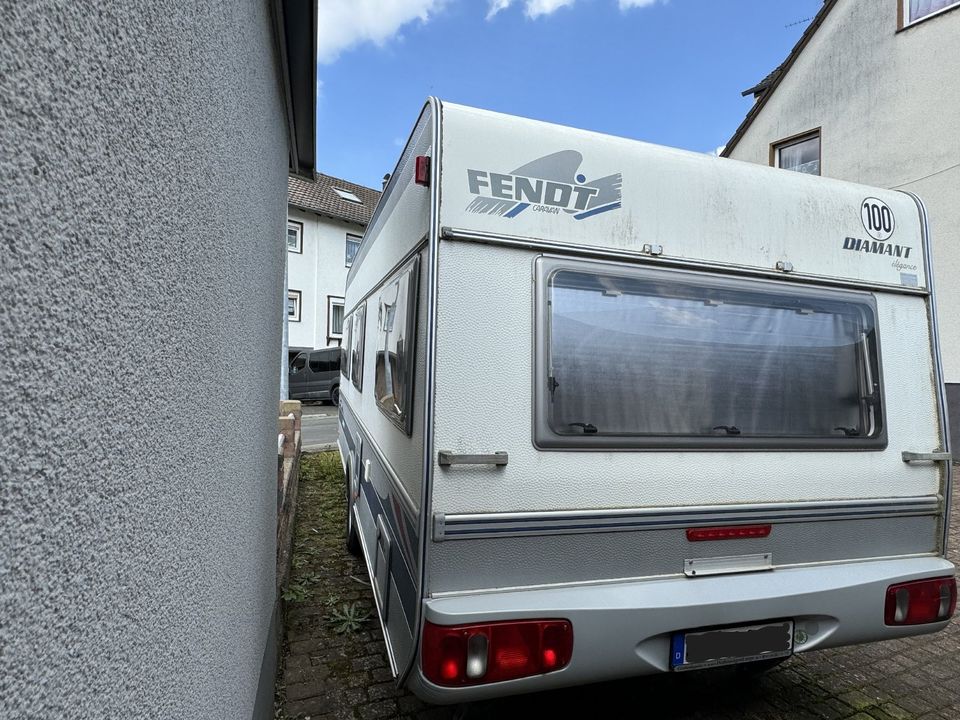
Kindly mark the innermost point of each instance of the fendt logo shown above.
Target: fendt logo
(550, 184)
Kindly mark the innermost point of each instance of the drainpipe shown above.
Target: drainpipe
(285, 345)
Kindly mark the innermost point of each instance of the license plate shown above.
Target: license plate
(726, 646)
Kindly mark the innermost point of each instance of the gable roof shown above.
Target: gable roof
(319, 196)
(766, 87)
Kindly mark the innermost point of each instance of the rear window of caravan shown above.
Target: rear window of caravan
(631, 357)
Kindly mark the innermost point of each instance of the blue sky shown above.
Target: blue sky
(664, 71)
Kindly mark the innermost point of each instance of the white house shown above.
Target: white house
(326, 218)
(871, 94)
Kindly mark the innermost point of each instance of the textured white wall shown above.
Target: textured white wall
(318, 272)
(143, 166)
(888, 104)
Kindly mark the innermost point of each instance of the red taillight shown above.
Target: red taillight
(422, 174)
(730, 532)
(473, 654)
(921, 601)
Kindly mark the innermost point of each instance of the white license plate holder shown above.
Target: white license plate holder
(691, 650)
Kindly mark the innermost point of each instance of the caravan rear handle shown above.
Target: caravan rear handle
(936, 456)
(445, 457)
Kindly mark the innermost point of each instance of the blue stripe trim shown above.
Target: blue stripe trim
(597, 211)
(518, 208)
(454, 528)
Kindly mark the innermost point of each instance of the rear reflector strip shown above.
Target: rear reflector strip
(729, 532)
(921, 601)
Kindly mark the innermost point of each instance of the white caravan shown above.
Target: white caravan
(617, 409)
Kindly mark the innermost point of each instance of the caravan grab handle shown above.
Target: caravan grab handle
(445, 457)
(936, 456)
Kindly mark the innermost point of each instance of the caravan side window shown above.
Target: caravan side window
(345, 354)
(358, 329)
(396, 317)
(630, 357)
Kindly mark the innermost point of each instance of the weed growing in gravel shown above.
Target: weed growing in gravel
(296, 593)
(349, 617)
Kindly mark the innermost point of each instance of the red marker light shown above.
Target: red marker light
(422, 173)
(450, 670)
(731, 532)
(549, 658)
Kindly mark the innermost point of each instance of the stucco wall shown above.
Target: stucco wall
(143, 166)
(888, 104)
(320, 271)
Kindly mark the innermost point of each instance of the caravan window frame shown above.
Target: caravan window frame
(345, 342)
(546, 438)
(358, 331)
(400, 414)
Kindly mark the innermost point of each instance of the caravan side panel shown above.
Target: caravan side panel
(384, 462)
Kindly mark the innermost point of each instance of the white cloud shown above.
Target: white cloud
(496, 6)
(536, 8)
(627, 4)
(342, 24)
(531, 8)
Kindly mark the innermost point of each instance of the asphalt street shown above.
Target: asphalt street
(319, 426)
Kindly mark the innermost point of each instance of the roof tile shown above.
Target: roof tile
(318, 196)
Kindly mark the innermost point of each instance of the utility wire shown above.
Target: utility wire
(909, 182)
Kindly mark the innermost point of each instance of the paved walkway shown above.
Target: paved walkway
(336, 666)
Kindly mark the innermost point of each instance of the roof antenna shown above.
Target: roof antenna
(798, 22)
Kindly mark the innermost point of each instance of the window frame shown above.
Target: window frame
(345, 345)
(351, 238)
(404, 420)
(903, 14)
(298, 226)
(347, 195)
(544, 438)
(778, 145)
(297, 297)
(358, 331)
(333, 301)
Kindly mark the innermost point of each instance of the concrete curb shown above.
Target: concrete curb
(322, 447)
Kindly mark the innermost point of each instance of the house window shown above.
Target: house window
(293, 305)
(800, 153)
(294, 236)
(334, 318)
(670, 359)
(396, 325)
(348, 196)
(914, 10)
(353, 244)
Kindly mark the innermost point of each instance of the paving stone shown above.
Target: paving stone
(311, 706)
(380, 709)
(301, 691)
(370, 662)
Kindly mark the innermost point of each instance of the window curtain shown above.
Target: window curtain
(921, 8)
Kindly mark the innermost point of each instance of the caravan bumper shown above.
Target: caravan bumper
(623, 629)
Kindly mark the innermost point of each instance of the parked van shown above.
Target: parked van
(615, 409)
(315, 375)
